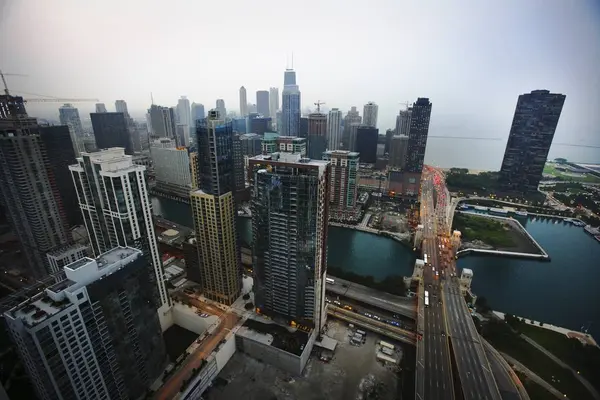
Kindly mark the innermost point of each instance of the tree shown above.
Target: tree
(482, 304)
(541, 323)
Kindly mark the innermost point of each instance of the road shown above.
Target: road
(436, 371)
(534, 377)
(170, 388)
(394, 304)
(509, 384)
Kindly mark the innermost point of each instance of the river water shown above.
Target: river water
(562, 292)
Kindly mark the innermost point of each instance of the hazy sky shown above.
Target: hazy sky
(471, 58)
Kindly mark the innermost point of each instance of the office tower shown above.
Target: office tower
(334, 129)
(116, 210)
(353, 117)
(317, 135)
(214, 211)
(380, 149)
(162, 120)
(121, 106)
(136, 135)
(192, 263)
(290, 213)
(403, 122)
(238, 164)
(66, 254)
(197, 113)
(184, 117)
(303, 127)
(111, 130)
(251, 144)
(258, 124)
(171, 163)
(221, 108)
(243, 102)
(69, 115)
(352, 135)
(370, 114)
(417, 137)
(100, 108)
(366, 143)
(59, 149)
(531, 133)
(398, 148)
(273, 143)
(182, 135)
(290, 105)
(273, 103)
(343, 184)
(94, 335)
(262, 103)
(252, 109)
(194, 169)
(28, 187)
(239, 125)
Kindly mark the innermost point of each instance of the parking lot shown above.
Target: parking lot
(353, 373)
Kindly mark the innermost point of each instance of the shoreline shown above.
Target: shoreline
(397, 237)
(571, 333)
(518, 228)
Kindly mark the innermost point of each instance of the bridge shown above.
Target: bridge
(451, 358)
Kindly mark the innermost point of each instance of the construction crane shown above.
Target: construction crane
(318, 104)
(47, 99)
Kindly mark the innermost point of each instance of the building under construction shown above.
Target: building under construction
(290, 211)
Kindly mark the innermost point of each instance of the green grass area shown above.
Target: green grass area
(502, 337)
(587, 178)
(490, 231)
(585, 359)
(535, 391)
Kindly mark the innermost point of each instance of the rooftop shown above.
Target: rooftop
(277, 158)
(273, 334)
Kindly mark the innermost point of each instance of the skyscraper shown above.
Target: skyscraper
(317, 135)
(59, 148)
(343, 184)
(111, 130)
(531, 133)
(353, 117)
(100, 108)
(403, 122)
(238, 168)
(162, 120)
(171, 163)
(243, 102)
(370, 111)
(334, 129)
(184, 117)
(214, 212)
(262, 103)
(116, 209)
(221, 108)
(273, 103)
(69, 116)
(352, 135)
(290, 210)
(28, 187)
(290, 107)
(398, 148)
(417, 136)
(366, 143)
(96, 334)
(121, 106)
(197, 113)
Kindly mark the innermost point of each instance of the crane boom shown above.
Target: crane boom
(57, 100)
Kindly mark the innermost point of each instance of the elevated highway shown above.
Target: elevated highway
(395, 304)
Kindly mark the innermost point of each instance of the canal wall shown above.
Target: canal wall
(403, 238)
(541, 256)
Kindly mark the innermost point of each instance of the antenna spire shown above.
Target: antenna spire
(292, 60)
(151, 98)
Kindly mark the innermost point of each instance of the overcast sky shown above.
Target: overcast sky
(471, 58)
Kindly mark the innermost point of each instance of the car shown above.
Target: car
(204, 315)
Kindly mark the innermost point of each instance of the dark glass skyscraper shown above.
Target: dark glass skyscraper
(529, 141)
(290, 210)
(290, 105)
(111, 130)
(61, 154)
(366, 143)
(417, 136)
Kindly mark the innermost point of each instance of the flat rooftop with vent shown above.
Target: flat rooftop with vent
(78, 274)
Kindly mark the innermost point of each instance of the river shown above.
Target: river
(563, 291)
